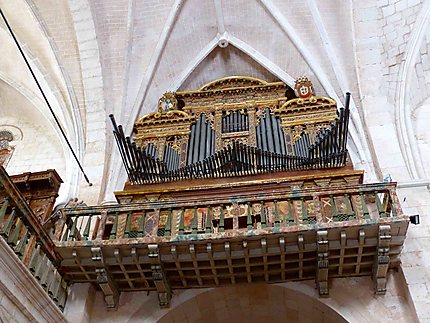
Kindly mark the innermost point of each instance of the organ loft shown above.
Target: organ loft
(239, 182)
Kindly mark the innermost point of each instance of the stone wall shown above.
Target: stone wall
(351, 300)
(96, 57)
(416, 253)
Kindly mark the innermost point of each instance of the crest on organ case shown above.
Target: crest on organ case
(167, 102)
(303, 88)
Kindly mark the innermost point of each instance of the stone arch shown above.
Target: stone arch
(351, 299)
(405, 131)
(253, 303)
(420, 119)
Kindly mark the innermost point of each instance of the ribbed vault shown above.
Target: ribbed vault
(96, 57)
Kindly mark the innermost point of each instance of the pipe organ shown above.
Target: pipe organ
(235, 126)
(241, 181)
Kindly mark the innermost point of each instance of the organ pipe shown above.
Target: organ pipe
(328, 150)
(234, 121)
(201, 141)
(269, 134)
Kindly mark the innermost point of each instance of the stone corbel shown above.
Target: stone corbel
(159, 277)
(104, 280)
(382, 260)
(322, 263)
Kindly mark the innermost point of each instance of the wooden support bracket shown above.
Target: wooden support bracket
(104, 280)
(382, 260)
(159, 276)
(322, 263)
(108, 287)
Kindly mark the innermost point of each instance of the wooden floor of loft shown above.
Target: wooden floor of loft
(341, 251)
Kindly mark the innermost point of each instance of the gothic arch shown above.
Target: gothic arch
(405, 131)
(252, 303)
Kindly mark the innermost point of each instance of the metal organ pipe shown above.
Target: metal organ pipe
(270, 136)
(191, 144)
(171, 158)
(276, 134)
(263, 134)
(230, 121)
(269, 131)
(234, 121)
(202, 141)
(197, 140)
(212, 142)
(281, 135)
(208, 141)
(246, 121)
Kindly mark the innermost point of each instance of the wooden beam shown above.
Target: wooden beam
(104, 279)
(159, 276)
(382, 260)
(108, 288)
(178, 265)
(212, 262)
(322, 262)
(135, 258)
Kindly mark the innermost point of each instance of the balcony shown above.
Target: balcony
(208, 204)
(21, 227)
(291, 228)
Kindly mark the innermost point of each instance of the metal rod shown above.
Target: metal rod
(44, 97)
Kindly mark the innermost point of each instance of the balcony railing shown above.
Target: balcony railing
(248, 215)
(25, 235)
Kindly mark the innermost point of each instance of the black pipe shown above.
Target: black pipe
(119, 144)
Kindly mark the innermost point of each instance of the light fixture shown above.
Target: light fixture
(415, 219)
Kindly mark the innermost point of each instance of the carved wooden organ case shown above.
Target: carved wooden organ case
(235, 126)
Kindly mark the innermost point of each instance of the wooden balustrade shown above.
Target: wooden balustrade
(21, 229)
(304, 209)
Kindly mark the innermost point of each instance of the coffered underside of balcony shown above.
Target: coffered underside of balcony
(247, 257)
